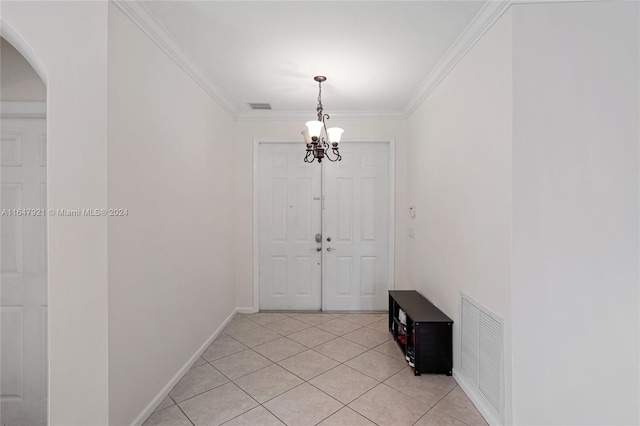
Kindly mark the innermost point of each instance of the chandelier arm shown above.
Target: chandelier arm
(324, 123)
(309, 155)
(330, 159)
(335, 152)
(325, 144)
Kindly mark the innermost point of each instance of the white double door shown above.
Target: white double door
(324, 229)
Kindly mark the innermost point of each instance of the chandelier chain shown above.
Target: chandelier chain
(319, 108)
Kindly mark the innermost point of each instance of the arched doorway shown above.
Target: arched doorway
(23, 254)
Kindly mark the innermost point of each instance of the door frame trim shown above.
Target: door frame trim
(12, 109)
(256, 197)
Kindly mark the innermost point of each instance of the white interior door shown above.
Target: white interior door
(356, 218)
(23, 261)
(289, 219)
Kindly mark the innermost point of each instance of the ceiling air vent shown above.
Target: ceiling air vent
(260, 106)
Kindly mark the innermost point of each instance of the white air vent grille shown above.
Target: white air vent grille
(482, 354)
(469, 331)
(490, 364)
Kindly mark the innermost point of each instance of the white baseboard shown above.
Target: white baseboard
(478, 400)
(155, 402)
(247, 310)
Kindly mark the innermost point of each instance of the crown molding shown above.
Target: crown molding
(144, 19)
(490, 12)
(308, 115)
(473, 32)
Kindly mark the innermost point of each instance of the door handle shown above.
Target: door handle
(330, 249)
(318, 248)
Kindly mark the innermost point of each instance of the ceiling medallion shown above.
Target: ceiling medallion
(317, 146)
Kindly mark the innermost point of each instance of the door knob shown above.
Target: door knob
(330, 249)
(318, 248)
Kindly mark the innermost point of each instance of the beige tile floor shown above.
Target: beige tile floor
(301, 369)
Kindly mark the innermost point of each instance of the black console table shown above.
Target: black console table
(424, 332)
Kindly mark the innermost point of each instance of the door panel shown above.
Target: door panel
(356, 218)
(23, 265)
(289, 219)
(355, 274)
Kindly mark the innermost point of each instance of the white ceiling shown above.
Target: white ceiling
(379, 57)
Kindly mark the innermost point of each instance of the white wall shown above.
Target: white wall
(459, 174)
(573, 296)
(171, 260)
(247, 131)
(73, 63)
(575, 217)
(19, 81)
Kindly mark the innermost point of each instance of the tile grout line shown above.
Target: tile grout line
(273, 414)
(447, 414)
(339, 402)
(276, 363)
(222, 384)
(303, 382)
(378, 382)
(368, 349)
(185, 414)
(307, 348)
(238, 386)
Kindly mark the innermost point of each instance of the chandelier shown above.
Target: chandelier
(317, 145)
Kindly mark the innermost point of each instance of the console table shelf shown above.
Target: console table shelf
(424, 332)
